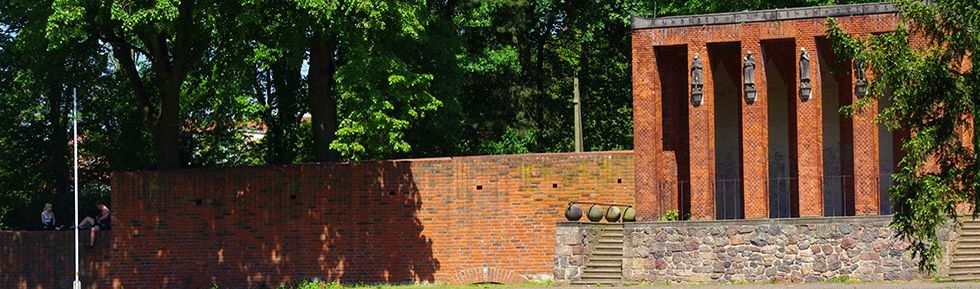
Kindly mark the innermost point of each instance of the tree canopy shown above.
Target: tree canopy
(924, 70)
(169, 84)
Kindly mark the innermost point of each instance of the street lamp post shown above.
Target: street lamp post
(74, 124)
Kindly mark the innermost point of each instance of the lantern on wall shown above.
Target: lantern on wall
(697, 80)
(748, 77)
(861, 85)
(805, 89)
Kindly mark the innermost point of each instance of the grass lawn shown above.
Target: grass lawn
(325, 285)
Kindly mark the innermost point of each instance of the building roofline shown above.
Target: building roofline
(763, 15)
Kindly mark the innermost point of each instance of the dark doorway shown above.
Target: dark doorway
(725, 64)
(779, 57)
(838, 136)
(671, 63)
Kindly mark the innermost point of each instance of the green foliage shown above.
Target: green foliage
(194, 81)
(670, 215)
(933, 95)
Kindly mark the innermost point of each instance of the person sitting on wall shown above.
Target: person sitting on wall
(47, 218)
(101, 223)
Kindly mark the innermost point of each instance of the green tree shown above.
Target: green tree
(935, 93)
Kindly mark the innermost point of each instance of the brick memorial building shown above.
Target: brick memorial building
(748, 133)
(738, 129)
(736, 117)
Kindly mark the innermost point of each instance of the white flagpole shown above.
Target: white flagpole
(74, 124)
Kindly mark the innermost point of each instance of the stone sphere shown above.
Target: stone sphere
(613, 214)
(573, 213)
(595, 213)
(629, 215)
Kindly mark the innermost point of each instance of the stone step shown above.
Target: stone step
(602, 276)
(961, 278)
(607, 251)
(611, 235)
(616, 240)
(964, 270)
(965, 259)
(597, 283)
(972, 240)
(618, 258)
(610, 246)
(605, 263)
(969, 233)
(603, 270)
(975, 266)
(970, 245)
(966, 252)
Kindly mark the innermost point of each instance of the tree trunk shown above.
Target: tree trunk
(58, 144)
(323, 106)
(282, 123)
(168, 125)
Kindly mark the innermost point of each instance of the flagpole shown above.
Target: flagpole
(74, 124)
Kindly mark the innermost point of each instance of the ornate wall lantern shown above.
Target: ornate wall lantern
(861, 85)
(748, 77)
(697, 81)
(805, 89)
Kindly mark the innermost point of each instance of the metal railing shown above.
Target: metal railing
(729, 201)
(838, 194)
(781, 192)
(837, 191)
(885, 203)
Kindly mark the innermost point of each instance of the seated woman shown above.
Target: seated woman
(47, 218)
(101, 223)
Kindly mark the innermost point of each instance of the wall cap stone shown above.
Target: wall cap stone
(763, 15)
(757, 222)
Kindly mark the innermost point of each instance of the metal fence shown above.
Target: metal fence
(838, 195)
(781, 192)
(728, 199)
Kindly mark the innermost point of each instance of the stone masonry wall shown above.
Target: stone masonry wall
(572, 248)
(773, 250)
(794, 250)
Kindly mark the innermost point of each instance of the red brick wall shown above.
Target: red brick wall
(649, 130)
(44, 260)
(429, 220)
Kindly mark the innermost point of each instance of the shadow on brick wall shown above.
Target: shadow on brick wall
(249, 227)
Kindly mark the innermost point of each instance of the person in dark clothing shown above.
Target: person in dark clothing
(103, 222)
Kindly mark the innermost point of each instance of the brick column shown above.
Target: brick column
(809, 133)
(755, 136)
(701, 121)
(865, 155)
(647, 127)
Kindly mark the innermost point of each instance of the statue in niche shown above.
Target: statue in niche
(697, 80)
(861, 85)
(805, 89)
(748, 77)
(859, 69)
(749, 70)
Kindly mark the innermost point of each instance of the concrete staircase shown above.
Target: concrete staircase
(605, 264)
(966, 259)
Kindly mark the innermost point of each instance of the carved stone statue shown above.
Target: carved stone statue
(861, 85)
(805, 89)
(748, 77)
(697, 80)
(804, 65)
(748, 70)
(859, 69)
(696, 70)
